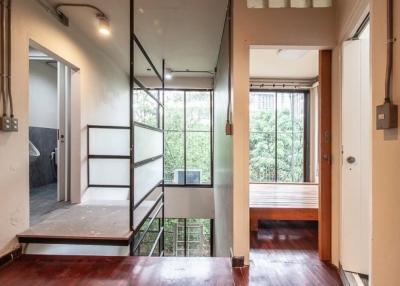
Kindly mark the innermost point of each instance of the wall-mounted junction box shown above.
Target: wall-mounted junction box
(8, 124)
(386, 116)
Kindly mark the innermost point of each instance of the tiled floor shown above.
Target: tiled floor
(43, 200)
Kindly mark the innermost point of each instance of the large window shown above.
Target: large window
(188, 137)
(278, 125)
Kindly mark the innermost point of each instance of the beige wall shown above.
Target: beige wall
(386, 147)
(385, 157)
(104, 91)
(307, 28)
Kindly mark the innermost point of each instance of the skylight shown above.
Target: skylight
(258, 4)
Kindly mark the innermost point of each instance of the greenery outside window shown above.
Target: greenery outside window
(188, 137)
(278, 136)
(182, 237)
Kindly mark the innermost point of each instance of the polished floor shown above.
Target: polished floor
(285, 253)
(147, 271)
(282, 254)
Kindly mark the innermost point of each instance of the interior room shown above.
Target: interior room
(283, 156)
(43, 136)
(187, 142)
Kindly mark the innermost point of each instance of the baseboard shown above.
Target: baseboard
(7, 258)
(236, 261)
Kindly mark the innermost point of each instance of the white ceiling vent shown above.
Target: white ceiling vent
(258, 4)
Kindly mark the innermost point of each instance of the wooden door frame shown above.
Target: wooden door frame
(325, 158)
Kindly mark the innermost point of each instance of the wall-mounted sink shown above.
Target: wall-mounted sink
(34, 153)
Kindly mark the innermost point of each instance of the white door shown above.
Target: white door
(356, 159)
(64, 95)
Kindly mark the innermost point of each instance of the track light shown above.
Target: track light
(104, 25)
(168, 74)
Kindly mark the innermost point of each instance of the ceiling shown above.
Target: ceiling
(266, 63)
(186, 33)
(84, 19)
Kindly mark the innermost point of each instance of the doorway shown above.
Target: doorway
(290, 190)
(49, 134)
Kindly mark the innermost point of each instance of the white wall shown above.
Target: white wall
(223, 156)
(104, 99)
(42, 95)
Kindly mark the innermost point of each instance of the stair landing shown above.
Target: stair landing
(94, 223)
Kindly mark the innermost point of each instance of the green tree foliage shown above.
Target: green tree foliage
(198, 140)
(282, 137)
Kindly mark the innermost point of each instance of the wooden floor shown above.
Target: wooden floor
(282, 254)
(285, 253)
(64, 270)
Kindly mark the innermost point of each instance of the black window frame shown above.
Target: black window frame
(185, 131)
(306, 147)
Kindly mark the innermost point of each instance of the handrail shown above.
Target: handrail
(159, 198)
(146, 161)
(147, 195)
(160, 233)
(136, 246)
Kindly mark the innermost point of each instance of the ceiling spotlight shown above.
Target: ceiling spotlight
(104, 25)
(168, 74)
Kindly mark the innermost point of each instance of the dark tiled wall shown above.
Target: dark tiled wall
(42, 172)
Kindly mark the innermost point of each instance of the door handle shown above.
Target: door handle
(351, 160)
(62, 138)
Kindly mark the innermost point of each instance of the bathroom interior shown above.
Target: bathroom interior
(43, 136)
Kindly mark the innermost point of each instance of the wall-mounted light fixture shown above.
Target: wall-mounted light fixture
(103, 21)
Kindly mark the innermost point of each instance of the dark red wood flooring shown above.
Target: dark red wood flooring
(282, 254)
(285, 253)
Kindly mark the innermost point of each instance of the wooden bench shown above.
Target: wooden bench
(297, 202)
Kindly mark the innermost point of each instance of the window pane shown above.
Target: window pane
(262, 157)
(146, 108)
(198, 237)
(198, 110)
(290, 137)
(198, 158)
(174, 157)
(174, 110)
(174, 237)
(262, 137)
